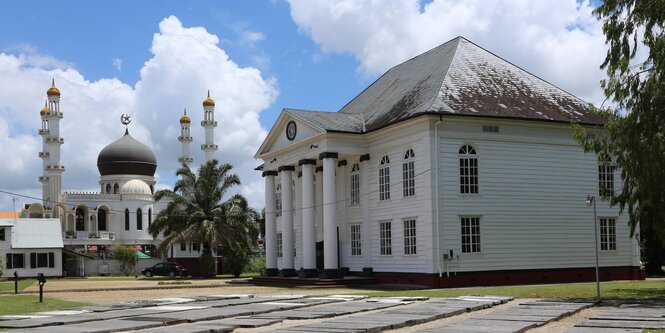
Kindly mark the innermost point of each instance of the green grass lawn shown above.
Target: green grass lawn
(22, 284)
(18, 304)
(623, 290)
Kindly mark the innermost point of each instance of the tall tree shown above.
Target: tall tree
(198, 212)
(635, 64)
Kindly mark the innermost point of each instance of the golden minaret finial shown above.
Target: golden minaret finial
(185, 118)
(53, 91)
(45, 109)
(208, 101)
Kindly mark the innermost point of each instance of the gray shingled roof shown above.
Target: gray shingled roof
(458, 78)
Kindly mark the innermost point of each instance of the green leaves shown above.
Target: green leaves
(198, 212)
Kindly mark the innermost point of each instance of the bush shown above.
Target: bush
(207, 264)
(235, 261)
(126, 258)
(256, 265)
(2, 268)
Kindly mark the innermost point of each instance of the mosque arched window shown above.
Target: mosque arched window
(126, 219)
(101, 219)
(116, 188)
(80, 219)
(108, 188)
(139, 219)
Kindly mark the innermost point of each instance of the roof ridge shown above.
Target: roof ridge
(443, 80)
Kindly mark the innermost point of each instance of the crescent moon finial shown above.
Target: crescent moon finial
(125, 119)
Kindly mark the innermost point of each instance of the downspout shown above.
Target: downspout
(439, 255)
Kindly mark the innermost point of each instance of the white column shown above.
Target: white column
(271, 227)
(364, 202)
(330, 262)
(286, 176)
(308, 232)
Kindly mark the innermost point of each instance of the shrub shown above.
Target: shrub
(235, 261)
(207, 264)
(126, 258)
(256, 265)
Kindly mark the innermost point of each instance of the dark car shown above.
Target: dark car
(171, 269)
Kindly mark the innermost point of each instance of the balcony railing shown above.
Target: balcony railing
(101, 235)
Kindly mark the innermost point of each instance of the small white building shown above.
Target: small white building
(455, 167)
(31, 246)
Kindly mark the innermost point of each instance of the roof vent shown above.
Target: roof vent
(490, 129)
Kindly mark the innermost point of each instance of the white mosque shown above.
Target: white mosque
(92, 223)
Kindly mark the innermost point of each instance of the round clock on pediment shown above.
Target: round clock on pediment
(291, 130)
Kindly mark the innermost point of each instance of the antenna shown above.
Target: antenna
(14, 199)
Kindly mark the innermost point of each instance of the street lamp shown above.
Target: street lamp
(591, 200)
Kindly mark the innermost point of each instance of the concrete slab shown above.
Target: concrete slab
(207, 327)
(603, 330)
(475, 325)
(622, 324)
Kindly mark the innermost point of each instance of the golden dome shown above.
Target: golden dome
(185, 118)
(44, 110)
(53, 91)
(208, 101)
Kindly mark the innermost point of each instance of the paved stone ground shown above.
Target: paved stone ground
(625, 318)
(332, 314)
(225, 313)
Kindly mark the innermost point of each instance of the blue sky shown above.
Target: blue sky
(90, 36)
(152, 59)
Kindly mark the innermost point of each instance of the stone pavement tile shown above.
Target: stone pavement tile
(247, 322)
(205, 327)
(48, 321)
(603, 330)
(622, 324)
(478, 325)
(104, 326)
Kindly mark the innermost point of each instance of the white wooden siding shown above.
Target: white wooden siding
(533, 184)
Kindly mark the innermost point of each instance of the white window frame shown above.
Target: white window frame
(278, 200)
(409, 174)
(354, 181)
(278, 240)
(470, 234)
(605, 176)
(410, 238)
(385, 238)
(608, 234)
(468, 170)
(384, 178)
(356, 239)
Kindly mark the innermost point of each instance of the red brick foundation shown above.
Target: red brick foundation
(497, 278)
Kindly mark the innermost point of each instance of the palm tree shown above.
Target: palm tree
(198, 212)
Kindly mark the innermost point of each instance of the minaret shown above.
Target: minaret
(52, 179)
(185, 138)
(209, 123)
(44, 154)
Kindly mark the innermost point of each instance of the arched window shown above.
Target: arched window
(355, 184)
(108, 188)
(384, 178)
(126, 219)
(278, 200)
(80, 219)
(101, 219)
(468, 170)
(139, 219)
(149, 217)
(409, 174)
(605, 176)
(116, 188)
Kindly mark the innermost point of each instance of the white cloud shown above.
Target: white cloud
(558, 40)
(186, 62)
(117, 63)
(252, 37)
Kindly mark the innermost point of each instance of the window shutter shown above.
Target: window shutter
(51, 259)
(33, 260)
(9, 261)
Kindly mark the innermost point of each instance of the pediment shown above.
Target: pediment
(289, 129)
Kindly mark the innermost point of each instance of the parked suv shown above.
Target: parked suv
(171, 269)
